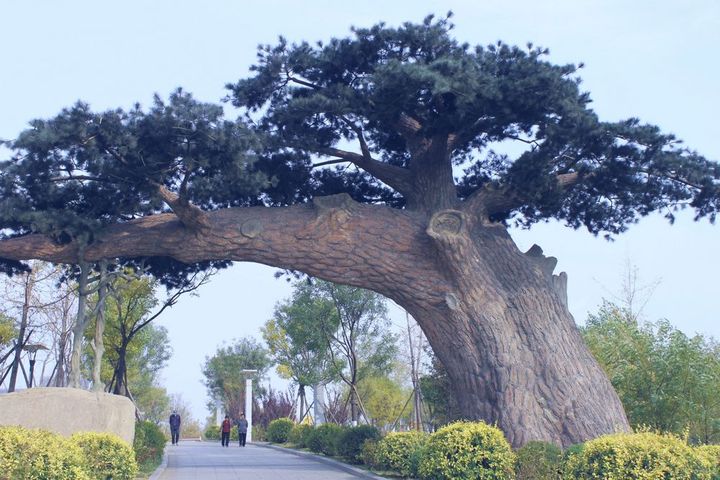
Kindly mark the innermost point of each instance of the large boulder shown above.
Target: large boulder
(69, 410)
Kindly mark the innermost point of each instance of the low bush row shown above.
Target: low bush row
(37, 455)
(149, 445)
(474, 450)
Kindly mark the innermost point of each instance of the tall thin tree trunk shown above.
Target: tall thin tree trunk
(414, 375)
(29, 284)
(81, 321)
(98, 344)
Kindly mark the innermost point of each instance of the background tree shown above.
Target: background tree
(438, 395)
(297, 343)
(421, 207)
(665, 379)
(7, 334)
(274, 405)
(224, 379)
(132, 305)
(385, 401)
(356, 330)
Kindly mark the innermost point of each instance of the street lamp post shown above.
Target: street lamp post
(32, 349)
(248, 401)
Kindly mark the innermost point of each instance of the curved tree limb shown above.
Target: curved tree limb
(394, 176)
(336, 239)
(492, 199)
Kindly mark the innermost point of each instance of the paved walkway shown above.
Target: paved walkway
(209, 461)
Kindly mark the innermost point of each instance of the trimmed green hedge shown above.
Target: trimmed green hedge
(352, 439)
(32, 454)
(639, 456)
(539, 460)
(149, 443)
(300, 434)
(468, 451)
(401, 452)
(325, 439)
(106, 456)
(278, 430)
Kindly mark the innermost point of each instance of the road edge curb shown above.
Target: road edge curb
(322, 459)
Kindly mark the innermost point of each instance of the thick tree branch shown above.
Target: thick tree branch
(394, 176)
(336, 239)
(190, 215)
(493, 199)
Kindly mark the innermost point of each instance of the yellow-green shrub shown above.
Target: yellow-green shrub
(299, 435)
(639, 456)
(369, 454)
(467, 451)
(712, 454)
(538, 461)
(399, 451)
(39, 455)
(106, 455)
(278, 431)
(149, 443)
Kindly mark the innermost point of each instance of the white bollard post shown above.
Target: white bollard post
(248, 408)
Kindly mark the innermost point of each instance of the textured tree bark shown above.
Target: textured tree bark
(496, 317)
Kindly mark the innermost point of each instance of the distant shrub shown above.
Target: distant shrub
(369, 454)
(149, 443)
(400, 452)
(468, 451)
(299, 435)
(325, 438)
(643, 455)
(352, 440)
(711, 453)
(539, 461)
(106, 456)
(212, 432)
(37, 455)
(278, 431)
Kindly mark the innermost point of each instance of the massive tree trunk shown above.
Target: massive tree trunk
(496, 317)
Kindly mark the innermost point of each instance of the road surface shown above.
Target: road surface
(209, 461)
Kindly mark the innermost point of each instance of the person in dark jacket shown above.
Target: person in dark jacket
(225, 430)
(175, 427)
(242, 426)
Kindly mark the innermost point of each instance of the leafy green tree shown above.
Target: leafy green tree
(132, 305)
(385, 400)
(153, 402)
(356, 329)
(224, 379)
(438, 396)
(412, 198)
(7, 334)
(665, 379)
(297, 343)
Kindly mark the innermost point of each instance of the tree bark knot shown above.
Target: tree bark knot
(447, 223)
(251, 228)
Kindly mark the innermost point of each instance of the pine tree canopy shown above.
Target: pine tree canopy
(374, 115)
(398, 93)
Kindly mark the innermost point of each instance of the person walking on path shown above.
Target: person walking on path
(242, 425)
(226, 426)
(175, 427)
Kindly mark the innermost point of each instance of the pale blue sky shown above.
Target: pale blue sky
(657, 60)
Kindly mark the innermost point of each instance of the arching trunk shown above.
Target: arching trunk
(497, 318)
(509, 343)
